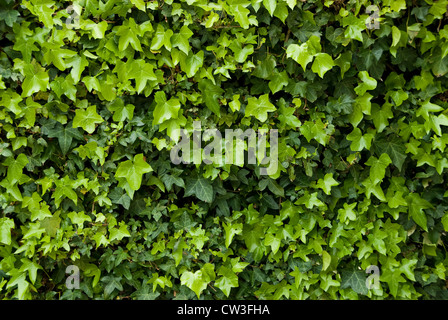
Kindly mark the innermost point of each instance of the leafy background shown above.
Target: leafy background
(88, 113)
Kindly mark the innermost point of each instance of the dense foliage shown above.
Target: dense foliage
(89, 108)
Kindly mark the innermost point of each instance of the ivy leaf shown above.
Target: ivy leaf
(368, 83)
(79, 218)
(359, 141)
(36, 79)
(300, 54)
(180, 39)
(416, 205)
(356, 280)
(143, 73)
(128, 35)
(231, 230)
(121, 112)
(259, 107)
(119, 233)
(161, 38)
(31, 267)
(194, 281)
(165, 109)
(228, 280)
(278, 81)
(322, 63)
(200, 187)
(326, 183)
(315, 130)
(111, 283)
(6, 225)
(238, 9)
(381, 115)
(395, 148)
(133, 171)
(9, 16)
(15, 167)
(270, 5)
(26, 47)
(211, 94)
(65, 135)
(18, 279)
(86, 119)
(192, 62)
(378, 167)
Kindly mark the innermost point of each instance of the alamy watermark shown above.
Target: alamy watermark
(233, 145)
(373, 281)
(72, 281)
(73, 19)
(373, 21)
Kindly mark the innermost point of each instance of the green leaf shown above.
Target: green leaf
(133, 171)
(359, 141)
(356, 280)
(86, 119)
(191, 63)
(199, 187)
(323, 62)
(162, 38)
(211, 94)
(228, 280)
(368, 83)
(259, 107)
(180, 39)
(79, 218)
(111, 283)
(11, 100)
(270, 5)
(31, 267)
(36, 79)
(128, 35)
(194, 281)
(395, 149)
(300, 53)
(278, 81)
(6, 225)
(65, 136)
(238, 9)
(9, 16)
(119, 233)
(231, 230)
(315, 130)
(381, 115)
(165, 109)
(326, 183)
(15, 167)
(121, 112)
(378, 167)
(416, 205)
(143, 74)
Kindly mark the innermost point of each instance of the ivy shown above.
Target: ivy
(93, 99)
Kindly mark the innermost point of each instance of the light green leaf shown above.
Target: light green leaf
(180, 39)
(210, 95)
(378, 167)
(322, 63)
(119, 233)
(133, 171)
(87, 118)
(259, 107)
(165, 109)
(6, 225)
(194, 281)
(228, 280)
